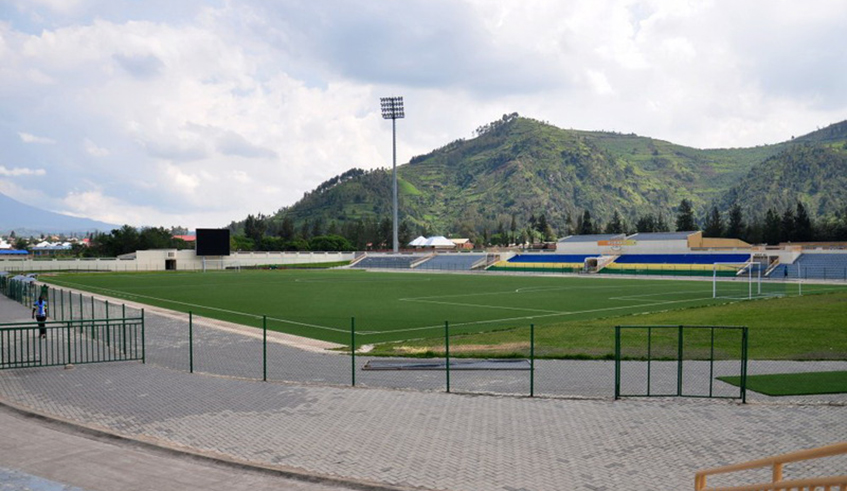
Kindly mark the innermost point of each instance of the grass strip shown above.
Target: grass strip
(794, 384)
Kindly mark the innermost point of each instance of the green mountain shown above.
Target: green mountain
(522, 167)
(812, 173)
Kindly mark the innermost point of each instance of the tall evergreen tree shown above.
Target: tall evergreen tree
(772, 231)
(587, 227)
(317, 227)
(255, 227)
(685, 217)
(661, 224)
(385, 237)
(735, 229)
(803, 230)
(788, 226)
(286, 230)
(714, 224)
(646, 224)
(616, 226)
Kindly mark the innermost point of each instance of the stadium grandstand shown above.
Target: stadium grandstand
(667, 253)
(813, 266)
(656, 254)
(453, 262)
(387, 261)
(423, 261)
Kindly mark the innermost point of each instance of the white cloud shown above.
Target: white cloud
(209, 112)
(92, 149)
(98, 206)
(30, 138)
(21, 171)
(59, 6)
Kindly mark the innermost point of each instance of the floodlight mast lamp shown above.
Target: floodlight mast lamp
(392, 108)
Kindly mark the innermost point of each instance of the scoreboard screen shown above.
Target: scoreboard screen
(213, 242)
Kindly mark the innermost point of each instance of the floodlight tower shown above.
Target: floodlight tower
(392, 108)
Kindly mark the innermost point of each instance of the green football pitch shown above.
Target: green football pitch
(392, 306)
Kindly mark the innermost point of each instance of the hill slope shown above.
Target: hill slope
(518, 166)
(813, 174)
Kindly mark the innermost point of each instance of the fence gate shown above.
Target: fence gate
(680, 361)
(71, 342)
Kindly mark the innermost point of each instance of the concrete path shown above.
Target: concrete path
(425, 439)
(39, 454)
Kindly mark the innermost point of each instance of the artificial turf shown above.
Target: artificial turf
(794, 384)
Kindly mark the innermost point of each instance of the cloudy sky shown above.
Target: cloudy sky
(198, 112)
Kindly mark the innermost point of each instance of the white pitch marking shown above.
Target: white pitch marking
(287, 321)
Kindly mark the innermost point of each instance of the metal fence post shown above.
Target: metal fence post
(190, 342)
(679, 365)
(143, 349)
(649, 358)
(532, 360)
(617, 362)
(744, 339)
(68, 332)
(712, 363)
(447, 352)
(353, 351)
(264, 348)
(108, 326)
(123, 323)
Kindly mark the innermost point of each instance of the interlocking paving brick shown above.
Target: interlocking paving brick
(429, 439)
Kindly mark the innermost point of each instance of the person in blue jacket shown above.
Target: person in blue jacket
(39, 313)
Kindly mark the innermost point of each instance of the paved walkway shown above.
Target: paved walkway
(423, 439)
(38, 454)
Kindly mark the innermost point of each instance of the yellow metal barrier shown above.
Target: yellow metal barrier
(833, 483)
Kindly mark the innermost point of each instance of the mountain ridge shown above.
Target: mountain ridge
(27, 220)
(523, 167)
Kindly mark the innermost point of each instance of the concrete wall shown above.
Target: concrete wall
(186, 260)
(625, 247)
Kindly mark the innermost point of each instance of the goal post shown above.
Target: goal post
(737, 280)
(219, 264)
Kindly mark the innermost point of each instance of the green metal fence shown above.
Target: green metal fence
(450, 368)
(80, 330)
(680, 361)
(18, 289)
(71, 342)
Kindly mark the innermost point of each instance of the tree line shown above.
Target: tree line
(266, 233)
(793, 224)
(128, 239)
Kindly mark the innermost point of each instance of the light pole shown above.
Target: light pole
(392, 108)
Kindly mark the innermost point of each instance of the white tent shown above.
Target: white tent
(419, 242)
(439, 241)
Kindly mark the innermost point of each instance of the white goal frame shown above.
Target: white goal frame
(751, 271)
(220, 264)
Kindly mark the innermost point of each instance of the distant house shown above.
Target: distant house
(187, 238)
(12, 252)
(45, 248)
(463, 243)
